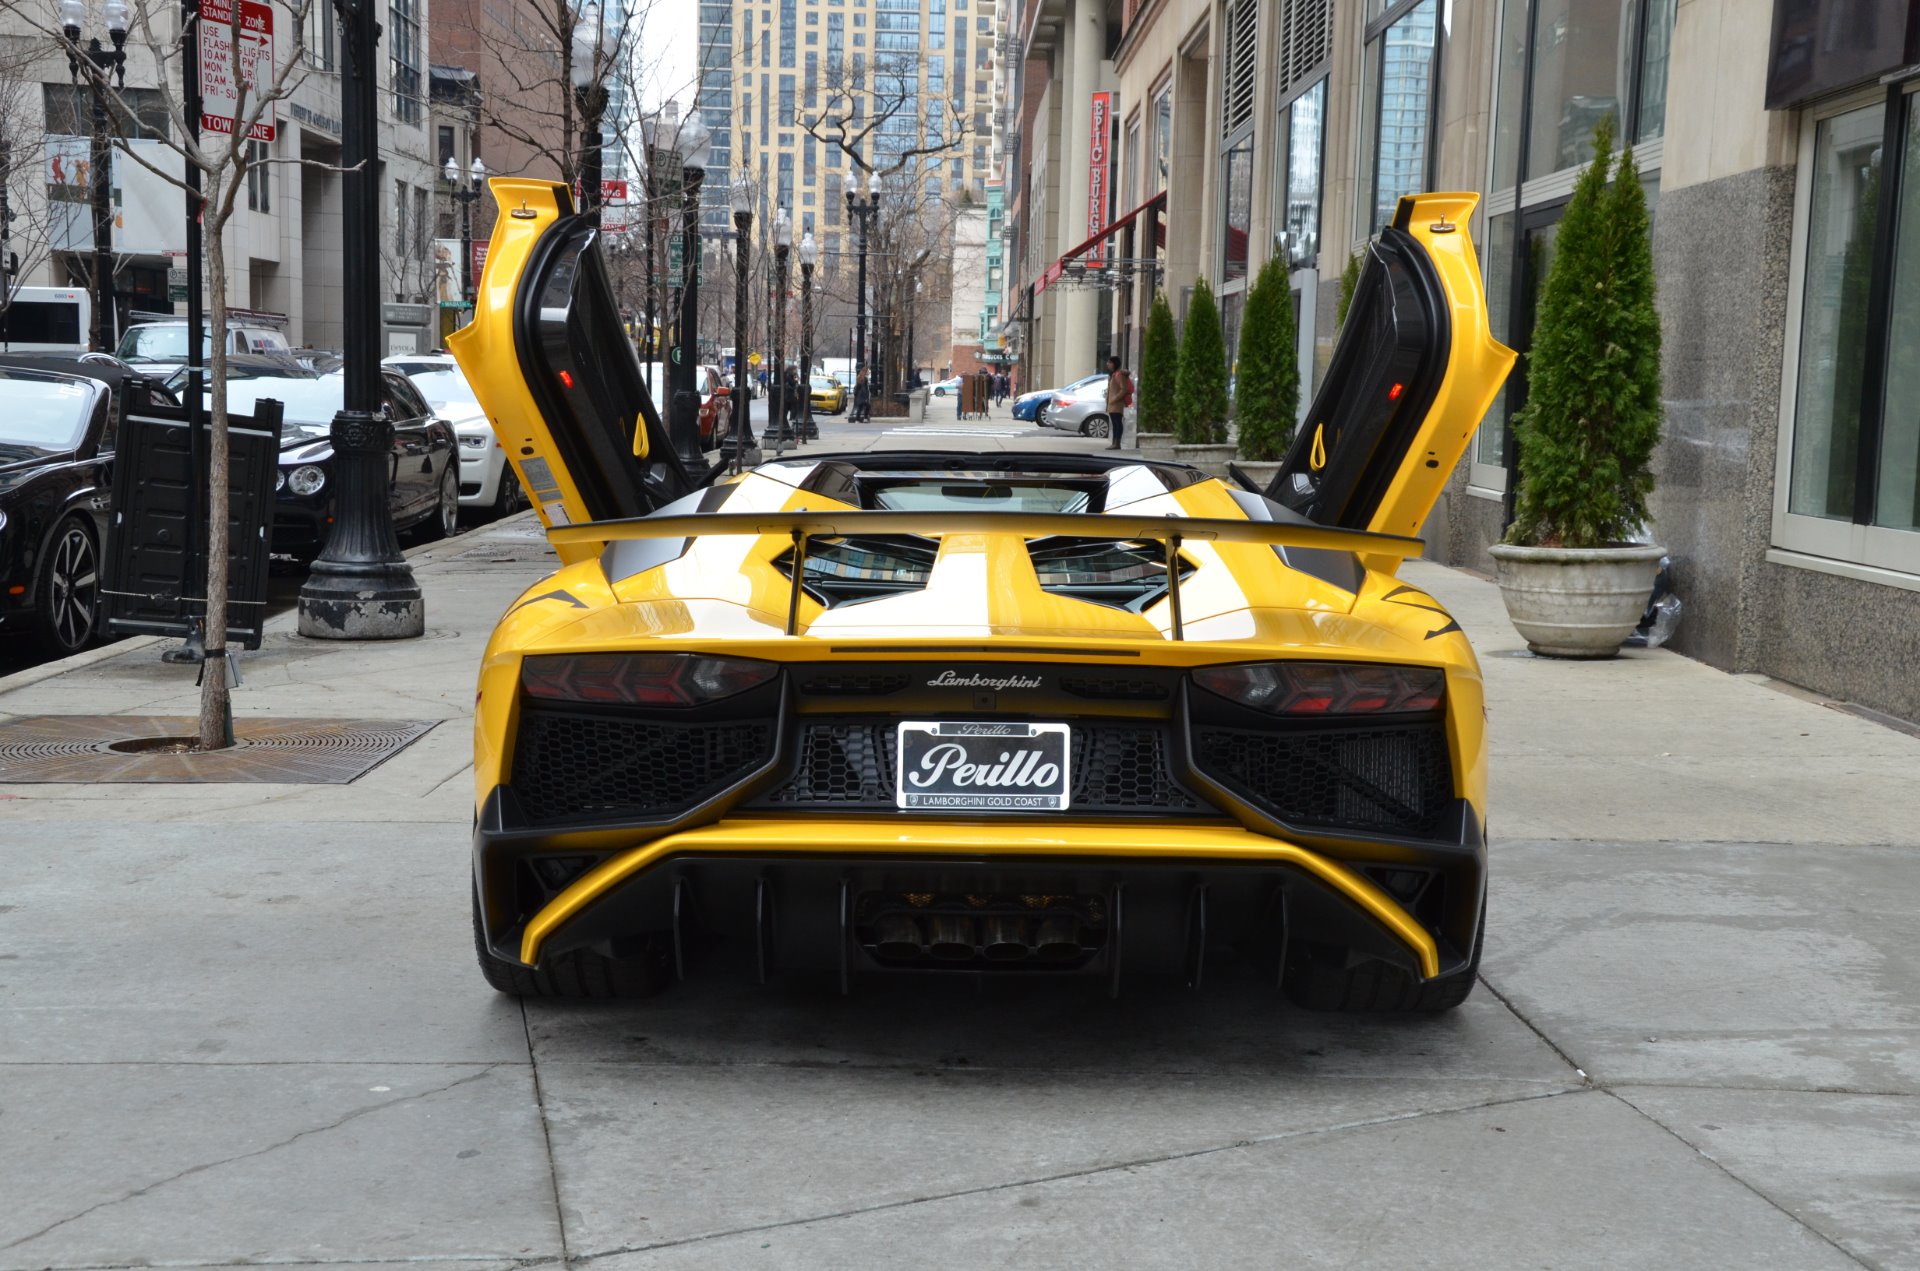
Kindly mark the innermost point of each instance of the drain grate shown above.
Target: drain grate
(81, 749)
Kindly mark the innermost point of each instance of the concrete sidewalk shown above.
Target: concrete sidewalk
(242, 1024)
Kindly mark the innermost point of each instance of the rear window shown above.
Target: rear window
(981, 496)
(41, 322)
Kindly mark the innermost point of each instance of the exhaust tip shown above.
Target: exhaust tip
(1058, 940)
(1005, 940)
(950, 938)
(896, 936)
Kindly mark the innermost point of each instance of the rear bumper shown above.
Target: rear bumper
(789, 889)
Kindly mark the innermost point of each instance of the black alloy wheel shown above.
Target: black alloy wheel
(508, 497)
(67, 606)
(445, 517)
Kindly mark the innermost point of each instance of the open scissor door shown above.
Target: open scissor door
(1414, 370)
(553, 367)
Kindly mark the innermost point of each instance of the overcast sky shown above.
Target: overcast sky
(669, 51)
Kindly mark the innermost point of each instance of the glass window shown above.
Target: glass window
(1306, 145)
(404, 20)
(1655, 52)
(1582, 66)
(1511, 53)
(1398, 98)
(1496, 268)
(1833, 322)
(1236, 177)
(1162, 140)
(1897, 497)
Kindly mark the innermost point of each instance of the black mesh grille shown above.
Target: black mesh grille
(1116, 768)
(852, 685)
(574, 767)
(1396, 779)
(1118, 687)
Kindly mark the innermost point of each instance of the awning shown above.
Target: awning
(1052, 273)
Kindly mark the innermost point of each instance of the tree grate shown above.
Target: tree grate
(81, 749)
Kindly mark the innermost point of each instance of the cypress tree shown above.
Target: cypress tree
(1349, 283)
(1592, 417)
(1267, 400)
(1200, 389)
(1159, 364)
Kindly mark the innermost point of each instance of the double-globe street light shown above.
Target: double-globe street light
(776, 430)
(692, 142)
(862, 209)
(99, 63)
(465, 192)
(742, 249)
(809, 257)
(361, 588)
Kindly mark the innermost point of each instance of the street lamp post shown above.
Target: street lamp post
(99, 63)
(913, 305)
(361, 587)
(590, 94)
(809, 257)
(692, 144)
(862, 210)
(776, 430)
(465, 193)
(742, 248)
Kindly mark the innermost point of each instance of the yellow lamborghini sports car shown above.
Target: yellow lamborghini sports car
(941, 713)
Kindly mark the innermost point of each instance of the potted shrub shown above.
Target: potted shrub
(1573, 582)
(1159, 363)
(1267, 402)
(1200, 387)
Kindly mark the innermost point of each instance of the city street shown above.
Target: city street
(241, 1024)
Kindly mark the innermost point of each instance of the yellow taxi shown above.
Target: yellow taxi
(827, 395)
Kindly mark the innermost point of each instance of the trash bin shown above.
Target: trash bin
(917, 406)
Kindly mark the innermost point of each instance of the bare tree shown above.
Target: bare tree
(157, 44)
(26, 223)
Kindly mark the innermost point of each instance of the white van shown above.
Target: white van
(46, 320)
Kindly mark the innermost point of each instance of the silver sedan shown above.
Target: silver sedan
(1080, 408)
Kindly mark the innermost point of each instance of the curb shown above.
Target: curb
(132, 644)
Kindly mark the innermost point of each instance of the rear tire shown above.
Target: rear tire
(66, 599)
(1317, 980)
(507, 497)
(580, 974)
(444, 520)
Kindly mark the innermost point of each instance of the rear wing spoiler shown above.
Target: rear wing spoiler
(1169, 531)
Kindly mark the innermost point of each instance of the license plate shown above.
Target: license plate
(983, 766)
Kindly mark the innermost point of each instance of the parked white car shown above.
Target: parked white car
(487, 483)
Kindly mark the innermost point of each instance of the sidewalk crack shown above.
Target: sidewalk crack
(1091, 1171)
(191, 1170)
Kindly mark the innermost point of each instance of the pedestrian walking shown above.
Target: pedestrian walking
(1119, 398)
(796, 403)
(862, 397)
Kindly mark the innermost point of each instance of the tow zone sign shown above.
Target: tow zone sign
(220, 95)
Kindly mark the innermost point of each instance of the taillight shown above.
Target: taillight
(640, 679)
(1063, 401)
(1326, 688)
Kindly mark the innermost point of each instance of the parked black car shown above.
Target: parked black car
(423, 481)
(58, 424)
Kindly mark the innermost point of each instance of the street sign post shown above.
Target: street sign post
(220, 95)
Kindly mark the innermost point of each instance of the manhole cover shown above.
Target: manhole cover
(88, 749)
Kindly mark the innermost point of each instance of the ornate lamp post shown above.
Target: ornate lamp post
(465, 192)
(913, 306)
(361, 587)
(693, 145)
(862, 210)
(98, 63)
(742, 249)
(586, 72)
(776, 430)
(809, 257)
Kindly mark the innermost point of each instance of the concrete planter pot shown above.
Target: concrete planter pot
(1575, 602)
(1259, 471)
(1154, 445)
(1210, 459)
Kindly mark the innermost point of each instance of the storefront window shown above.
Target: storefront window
(1833, 323)
(1496, 253)
(1306, 121)
(1897, 501)
(1398, 97)
(1236, 201)
(1655, 52)
(1591, 59)
(1512, 72)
